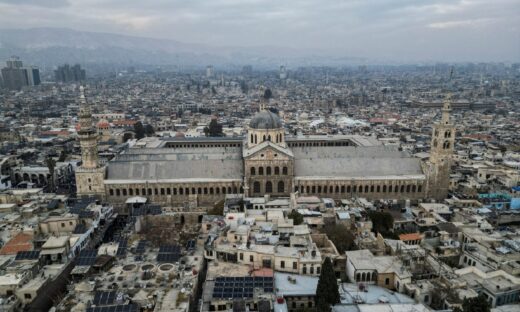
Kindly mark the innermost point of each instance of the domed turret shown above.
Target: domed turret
(266, 126)
(265, 120)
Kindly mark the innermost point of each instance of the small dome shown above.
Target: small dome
(265, 120)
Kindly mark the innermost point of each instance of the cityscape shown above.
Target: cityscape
(139, 173)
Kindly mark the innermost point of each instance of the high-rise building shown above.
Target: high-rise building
(283, 72)
(247, 70)
(67, 73)
(209, 72)
(16, 76)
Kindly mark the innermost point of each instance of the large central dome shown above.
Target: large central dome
(265, 120)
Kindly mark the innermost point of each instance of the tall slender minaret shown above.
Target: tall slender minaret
(90, 175)
(87, 134)
(442, 146)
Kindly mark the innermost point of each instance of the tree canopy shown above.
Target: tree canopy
(327, 293)
(214, 129)
(476, 304)
(139, 130)
(341, 237)
(268, 94)
(296, 217)
(382, 222)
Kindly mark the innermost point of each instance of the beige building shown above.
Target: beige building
(201, 171)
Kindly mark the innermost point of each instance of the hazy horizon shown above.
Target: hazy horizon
(394, 31)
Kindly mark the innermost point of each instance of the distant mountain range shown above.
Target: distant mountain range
(49, 47)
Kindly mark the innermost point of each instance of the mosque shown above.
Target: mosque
(177, 171)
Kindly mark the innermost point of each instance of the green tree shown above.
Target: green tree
(341, 237)
(382, 222)
(127, 136)
(327, 293)
(476, 304)
(63, 156)
(268, 94)
(139, 130)
(296, 217)
(214, 129)
(51, 164)
(148, 129)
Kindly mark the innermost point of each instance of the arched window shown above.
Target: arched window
(229, 189)
(256, 187)
(337, 188)
(384, 188)
(111, 191)
(319, 188)
(256, 139)
(223, 190)
(124, 192)
(268, 187)
(371, 189)
(269, 138)
(446, 145)
(284, 170)
(413, 188)
(366, 188)
(396, 188)
(252, 141)
(277, 170)
(308, 189)
(217, 190)
(268, 171)
(253, 171)
(281, 187)
(435, 143)
(263, 139)
(260, 170)
(118, 192)
(131, 192)
(402, 188)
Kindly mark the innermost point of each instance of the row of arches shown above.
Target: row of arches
(366, 277)
(201, 145)
(277, 138)
(268, 170)
(268, 189)
(447, 133)
(445, 145)
(40, 179)
(341, 189)
(320, 143)
(183, 191)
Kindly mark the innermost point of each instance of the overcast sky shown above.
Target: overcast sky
(404, 30)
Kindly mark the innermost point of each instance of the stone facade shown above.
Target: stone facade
(442, 146)
(89, 176)
(266, 162)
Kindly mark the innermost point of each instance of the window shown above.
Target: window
(241, 256)
(251, 258)
(295, 265)
(282, 264)
(156, 191)
(281, 187)
(253, 171)
(27, 296)
(268, 171)
(124, 192)
(261, 171)
(118, 192)
(387, 281)
(62, 224)
(276, 170)
(111, 191)
(268, 187)
(284, 170)
(162, 190)
(131, 192)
